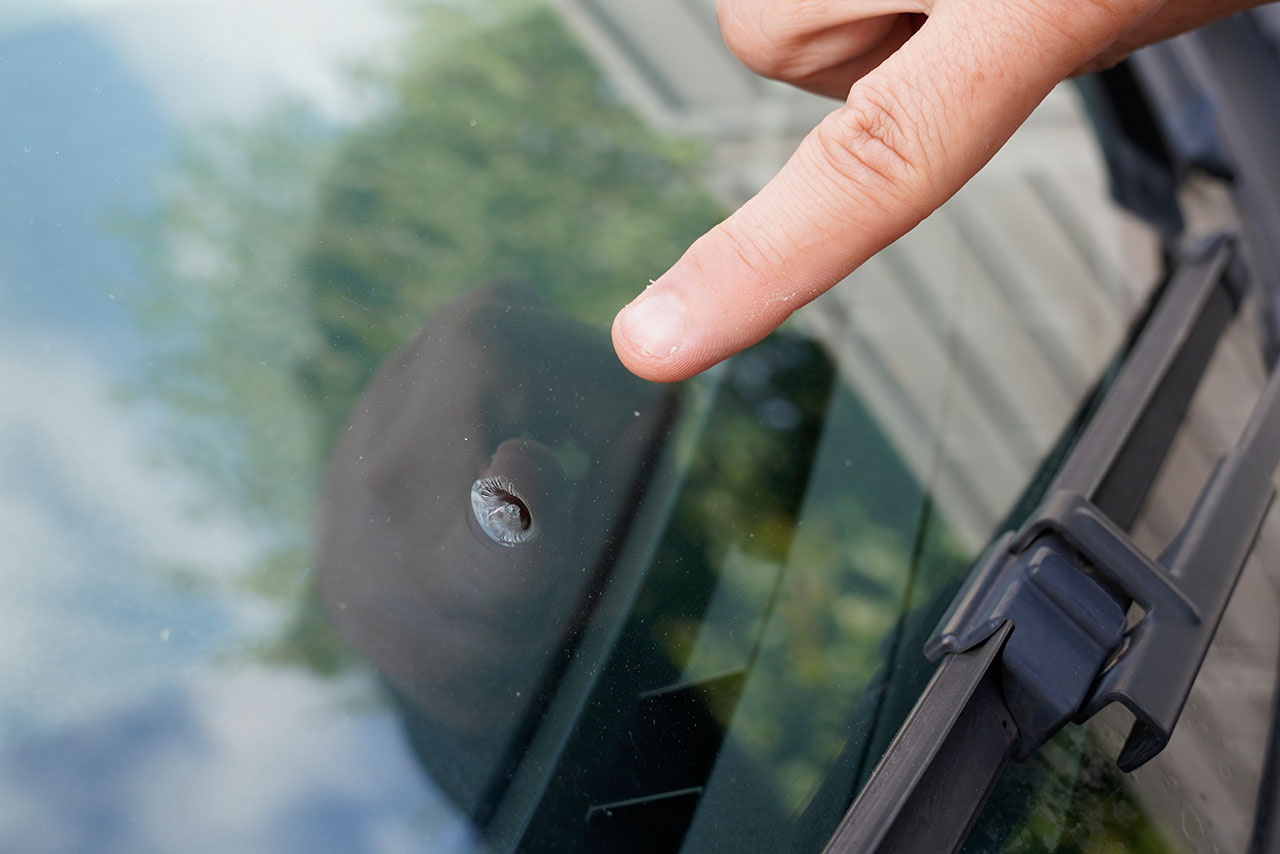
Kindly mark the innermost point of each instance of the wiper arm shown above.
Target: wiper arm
(1053, 596)
(1068, 576)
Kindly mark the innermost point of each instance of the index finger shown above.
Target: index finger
(910, 134)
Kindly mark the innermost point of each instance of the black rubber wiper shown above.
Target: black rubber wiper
(1038, 634)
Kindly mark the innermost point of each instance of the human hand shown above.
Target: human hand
(931, 89)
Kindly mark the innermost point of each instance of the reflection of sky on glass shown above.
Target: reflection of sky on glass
(251, 761)
(229, 58)
(126, 720)
(80, 516)
(79, 141)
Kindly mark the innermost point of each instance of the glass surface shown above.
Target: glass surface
(1201, 793)
(282, 285)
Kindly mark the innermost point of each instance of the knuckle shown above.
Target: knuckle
(874, 143)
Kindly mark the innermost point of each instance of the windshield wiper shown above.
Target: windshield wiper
(1042, 618)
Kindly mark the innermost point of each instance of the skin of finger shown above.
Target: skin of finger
(836, 80)
(910, 134)
(780, 26)
(1173, 18)
(792, 53)
(800, 42)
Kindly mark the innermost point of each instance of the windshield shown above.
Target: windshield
(331, 521)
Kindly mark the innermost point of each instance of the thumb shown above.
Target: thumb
(910, 134)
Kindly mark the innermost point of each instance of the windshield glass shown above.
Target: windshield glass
(331, 520)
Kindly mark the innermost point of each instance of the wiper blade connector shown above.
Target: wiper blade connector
(1067, 578)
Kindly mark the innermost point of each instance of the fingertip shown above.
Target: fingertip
(708, 306)
(651, 336)
(654, 325)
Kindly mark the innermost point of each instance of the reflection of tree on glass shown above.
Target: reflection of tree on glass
(293, 242)
(506, 154)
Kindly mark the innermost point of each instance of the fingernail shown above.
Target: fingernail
(654, 324)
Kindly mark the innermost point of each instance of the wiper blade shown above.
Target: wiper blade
(1053, 596)
(942, 765)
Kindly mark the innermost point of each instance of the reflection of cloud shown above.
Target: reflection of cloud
(118, 734)
(53, 400)
(85, 520)
(235, 58)
(261, 761)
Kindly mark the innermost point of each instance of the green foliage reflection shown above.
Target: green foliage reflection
(503, 154)
(291, 257)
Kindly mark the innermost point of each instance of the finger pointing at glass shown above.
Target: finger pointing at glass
(930, 90)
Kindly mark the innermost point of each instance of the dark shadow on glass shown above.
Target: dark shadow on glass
(472, 512)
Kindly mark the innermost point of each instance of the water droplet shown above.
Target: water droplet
(501, 512)
(472, 122)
